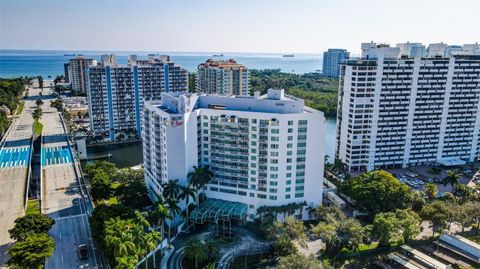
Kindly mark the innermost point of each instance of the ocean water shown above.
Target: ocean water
(15, 63)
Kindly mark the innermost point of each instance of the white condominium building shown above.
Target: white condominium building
(263, 150)
(116, 93)
(76, 72)
(223, 77)
(399, 111)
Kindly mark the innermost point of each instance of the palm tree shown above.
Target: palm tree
(186, 194)
(195, 251)
(200, 176)
(452, 178)
(38, 102)
(171, 189)
(173, 209)
(125, 245)
(160, 214)
(126, 262)
(37, 114)
(339, 166)
(212, 249)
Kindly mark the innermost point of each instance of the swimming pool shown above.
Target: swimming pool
(18, 156)
(56, 155)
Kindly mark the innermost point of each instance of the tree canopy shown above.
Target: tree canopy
(32, 251)
(318, 92)
(378, 191)
(26, 225)
(399, 227)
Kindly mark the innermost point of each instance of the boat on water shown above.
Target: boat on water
(217, 55)
(72, 54)
(288, 55)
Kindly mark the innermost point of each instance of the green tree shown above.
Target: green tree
(192, 82)
(186, 193)
(40, 82)
(431, 190)
(212, 248)
(171, 189)
(26, 225)
(32, 251)
(38, 102)
(101, 185)
(173, 210)
(377, 191)
(452, 178)
(283, 246)
(195, 251)
(57, 104)
(200, 176)
(298, 261)
(126, 262)
(159, 215)
(438, 212)
(399, 227)
(37, 113)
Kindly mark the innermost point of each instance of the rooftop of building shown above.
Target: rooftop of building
(408, 50)
(231, 63)
(275, 101)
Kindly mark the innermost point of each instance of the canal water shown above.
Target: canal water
(126, 155)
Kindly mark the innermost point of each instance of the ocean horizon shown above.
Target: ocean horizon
(49, 63)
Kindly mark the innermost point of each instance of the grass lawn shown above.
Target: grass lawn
(20, 107)
(33, 207)
(37, 128)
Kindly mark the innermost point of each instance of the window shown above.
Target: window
(273, 168)
(289, 167)
(273, 197)
(288, 189)
(274, 146)
(254, 128)
(273, 176)
(290, 122)
(289, 182)
(289, 174)
(289, 145)
(290, 130)
(253, 172)
(290, 138)
(274, 154)
(298, 195)
(254, 121)
(287, 196)
(253, 150)
(274, 138)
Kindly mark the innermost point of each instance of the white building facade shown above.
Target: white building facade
(116, 93)
(263, 151)
(406, 111)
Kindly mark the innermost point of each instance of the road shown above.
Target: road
(62, 199)
(14, 162)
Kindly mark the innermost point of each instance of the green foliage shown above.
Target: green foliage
(399, 227)
(298, 261)
(438, 212)
(57, 104)
(452, 178)
(192, 84)
(37, 128)
(318, 92)
(378, 191)
(38, 102)
(33, 207)
(196, 252)
(10, 92)
(122, 234)
(337, 231)
(32, 251)
(431, 190)
(37, 113)
(284, 246)
(26, 225)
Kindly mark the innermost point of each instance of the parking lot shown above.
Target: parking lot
(417, 177)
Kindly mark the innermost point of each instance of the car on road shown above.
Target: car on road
(83, 252)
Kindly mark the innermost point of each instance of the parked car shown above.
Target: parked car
(83, 252)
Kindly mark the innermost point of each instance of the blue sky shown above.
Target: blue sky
(299, 26)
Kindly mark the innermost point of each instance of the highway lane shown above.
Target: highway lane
(14, 162)
(62, 198)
